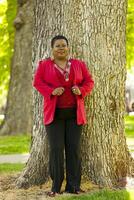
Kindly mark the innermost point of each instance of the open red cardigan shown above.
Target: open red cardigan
(46, 80)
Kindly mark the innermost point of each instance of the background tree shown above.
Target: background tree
(96, 33)
(7, 15)
(18, 113)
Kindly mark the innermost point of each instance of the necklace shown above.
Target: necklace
(65, 71)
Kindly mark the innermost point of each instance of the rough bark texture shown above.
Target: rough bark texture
(96, 33)
(18, 114)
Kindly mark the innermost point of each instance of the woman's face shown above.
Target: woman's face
(60, 49)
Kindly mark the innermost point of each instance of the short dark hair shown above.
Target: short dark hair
(58, 37)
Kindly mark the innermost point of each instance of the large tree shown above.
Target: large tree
(18, 113)
(96, 32)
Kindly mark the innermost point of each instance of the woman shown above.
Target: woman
(64, 83)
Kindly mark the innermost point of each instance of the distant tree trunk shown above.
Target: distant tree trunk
(96, 32)
(18, 113)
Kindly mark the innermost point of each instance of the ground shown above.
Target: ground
(9, 192)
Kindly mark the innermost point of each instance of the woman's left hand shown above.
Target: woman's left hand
(76, 90)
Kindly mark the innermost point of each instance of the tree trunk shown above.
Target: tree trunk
(96, 33)
(18, 113)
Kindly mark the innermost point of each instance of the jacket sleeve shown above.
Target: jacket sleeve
(88, 82)
(40, 84)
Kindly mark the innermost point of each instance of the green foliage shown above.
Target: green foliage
(129, 126)
(102, 195)
(7, 15)
(14, 144)
(130, 34)
(4, 62)
(11, 168)
(10, 16)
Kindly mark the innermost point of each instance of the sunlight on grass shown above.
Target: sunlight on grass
(14, 144)
(102, 195)
(11, 168)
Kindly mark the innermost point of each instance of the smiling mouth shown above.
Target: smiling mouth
(61, 52)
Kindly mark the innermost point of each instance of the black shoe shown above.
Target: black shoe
(80, 191)
(52, 194)
(75, 191)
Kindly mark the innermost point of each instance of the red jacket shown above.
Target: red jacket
(46, 80)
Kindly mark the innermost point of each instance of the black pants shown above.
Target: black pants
(64, 133)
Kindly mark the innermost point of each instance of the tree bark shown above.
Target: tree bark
(97, 34)
(18, 113)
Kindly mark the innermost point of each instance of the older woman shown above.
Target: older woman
(64, 83)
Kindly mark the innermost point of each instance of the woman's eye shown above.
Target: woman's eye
(58, 46)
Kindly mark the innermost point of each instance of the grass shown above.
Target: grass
(21, 143)
(129, 126)
(11, 168)
(14, 144)
(102, 195)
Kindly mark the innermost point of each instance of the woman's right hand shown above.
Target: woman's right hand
(58, 91)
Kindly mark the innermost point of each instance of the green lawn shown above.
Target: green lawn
(14, 144)
(11, 168)
(102, 195)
